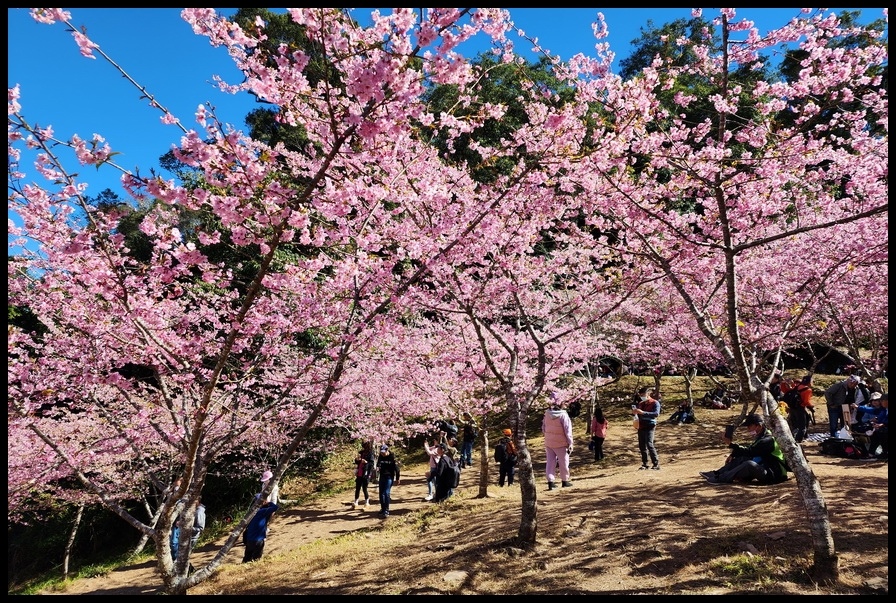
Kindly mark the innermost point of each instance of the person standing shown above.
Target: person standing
(434, 453)
(849, 391)
(778, 386)
(648, 411)
(599, 424)
(557, 429)
(505, 456)
(798, 411)
(274, 496)
(364, 464)
(390, 474)
(257, 531)
(445, 473)
(469, 430)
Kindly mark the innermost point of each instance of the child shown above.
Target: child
(599, 424)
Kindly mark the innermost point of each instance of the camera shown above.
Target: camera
(634, 406)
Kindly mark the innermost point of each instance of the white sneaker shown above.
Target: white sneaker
(428, 497)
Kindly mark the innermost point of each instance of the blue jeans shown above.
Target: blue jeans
(835, 420)
(466, 453)
(385, 492)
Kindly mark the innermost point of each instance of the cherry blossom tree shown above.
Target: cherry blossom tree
(369, 202)
(784, 173)
(533, 301)
(384, 229)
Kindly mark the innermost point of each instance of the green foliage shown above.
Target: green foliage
(505, 85)
(662, 41)
(794, 61)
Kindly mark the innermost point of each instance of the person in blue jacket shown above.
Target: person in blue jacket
(257, 531)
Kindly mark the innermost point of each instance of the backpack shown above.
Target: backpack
(450, 472)
(471, 432)
(847, 449)
(792, 399)
(501, 452)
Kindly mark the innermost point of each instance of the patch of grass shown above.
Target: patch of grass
(48, 583)
(745, 570)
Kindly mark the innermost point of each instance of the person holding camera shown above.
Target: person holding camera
(762, 460)
(647, 410)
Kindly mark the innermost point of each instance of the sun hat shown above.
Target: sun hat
(876, 396)
(266, 476)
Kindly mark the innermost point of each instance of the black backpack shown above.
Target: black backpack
(471, 432)
(792, 399)
(847, 449)
(501, 452)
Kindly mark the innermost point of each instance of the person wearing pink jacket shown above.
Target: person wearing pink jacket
(557, 429)
(599, 426)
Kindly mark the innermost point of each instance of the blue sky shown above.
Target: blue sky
(158, 49)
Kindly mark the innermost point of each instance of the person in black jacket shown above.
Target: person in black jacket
(446, 473)
(390, 474)
(364, 467)
(762, 460)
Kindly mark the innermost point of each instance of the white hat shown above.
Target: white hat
(266, 476)
(875, 396)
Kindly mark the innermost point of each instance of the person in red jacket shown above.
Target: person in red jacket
(799, 407)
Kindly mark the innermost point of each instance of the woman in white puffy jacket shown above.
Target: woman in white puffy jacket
(557, 429)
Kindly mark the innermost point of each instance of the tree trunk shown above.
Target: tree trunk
(826, 563)
(71, 542)
(144, 538)
(689, 376)
(526, 477)
(484, 458)
(519, 412)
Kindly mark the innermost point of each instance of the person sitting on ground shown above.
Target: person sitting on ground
(762, 460)
(717, 398)
(866, 415)
(684, 414)
(880, 437)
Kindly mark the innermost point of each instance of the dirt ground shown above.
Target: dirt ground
(618, 530)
